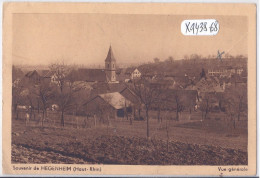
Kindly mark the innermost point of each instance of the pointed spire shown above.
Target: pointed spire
(110, 56)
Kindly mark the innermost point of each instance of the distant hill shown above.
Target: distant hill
(191, 67)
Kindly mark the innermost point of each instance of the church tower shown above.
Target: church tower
(110, 66)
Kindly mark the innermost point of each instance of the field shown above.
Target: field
(191, 142)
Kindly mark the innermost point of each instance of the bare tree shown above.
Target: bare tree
(167, 134)
(205, 105)
(186, 57)
(161, 101)
(236, 102)
(44, 92)
(126, 113)
(17, 97)
(195, 58)
(100, 107)
(148, 95)
(156, 60)
(79, 99)
(22, 94)
(178, 102)
(170, 59)
(66, 87)
(103, 110)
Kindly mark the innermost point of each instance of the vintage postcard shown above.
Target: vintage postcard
(129, 89)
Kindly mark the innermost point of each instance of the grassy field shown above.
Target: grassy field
(210, 142)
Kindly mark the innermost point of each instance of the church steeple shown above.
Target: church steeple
(110, 66)
(110, 55)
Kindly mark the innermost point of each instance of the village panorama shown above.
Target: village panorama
(190, 111)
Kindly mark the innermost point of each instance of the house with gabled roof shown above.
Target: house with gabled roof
(46, 75)
(113, 105)
(33, 76)
(133, 73)
(131, 96)
(36, 76)
(208, 85)
(122, 88)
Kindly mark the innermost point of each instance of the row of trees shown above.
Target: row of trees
(65, 92)
(195, 57)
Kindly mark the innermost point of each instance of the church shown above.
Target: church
(110, 67)
(106, 75)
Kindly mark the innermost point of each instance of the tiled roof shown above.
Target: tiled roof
(208, 85)
(29, 74)
(89, 75)
(130, 70)
(45, 73)
(130, 95)
(116, 87)
(42, 73)
(99, 88)
(116, 100)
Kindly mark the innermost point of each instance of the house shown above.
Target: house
(131, 96)
(123, 89)
(46, 75)
(102, 87)
(238, 80)
(128, 74)
(36, 76)
(208, 85)
(33, 76)
(224, 71)
(113, 105)
(135, 74)
(182, 81)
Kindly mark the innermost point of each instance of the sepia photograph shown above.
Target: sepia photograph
(129, 89)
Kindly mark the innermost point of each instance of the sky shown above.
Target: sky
(85, 38)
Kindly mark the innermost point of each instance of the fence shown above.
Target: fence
(53, 118)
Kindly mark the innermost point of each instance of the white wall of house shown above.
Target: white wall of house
(224, 72)
(136, 74)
